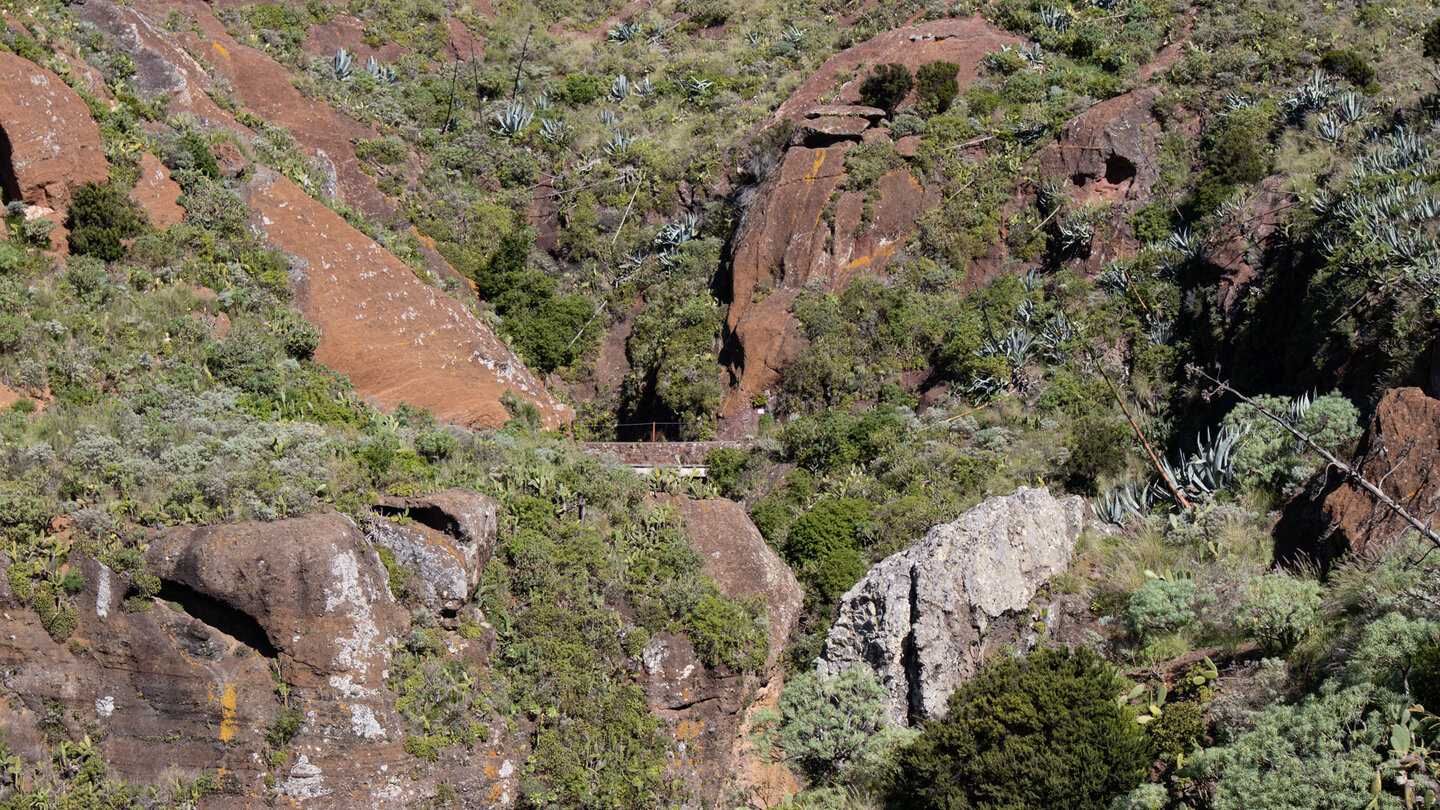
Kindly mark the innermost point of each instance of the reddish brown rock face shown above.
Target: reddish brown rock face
(786, 239)
(155, 192)
(1401, 451)
(48, 143)
(1109, 151)
(397, 338)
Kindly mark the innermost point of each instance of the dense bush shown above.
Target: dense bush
(824, 723)
(936, 86)
(1279, 609)
(887, 87)
(829, 526)
(99, 217)
(1040, 731)
(1163, 605)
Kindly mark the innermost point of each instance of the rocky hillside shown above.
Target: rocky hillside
(1063, 374)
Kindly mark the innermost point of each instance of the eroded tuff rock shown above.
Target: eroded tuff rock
(1109, 151)
(170, 694)
(1400, 452)
(157, 193)
(804, 228)
(54, 146)
(397, 338)
(442, 540)
(920, 618)
(707, 708)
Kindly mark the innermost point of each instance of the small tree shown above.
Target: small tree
(99, 218)
(889, 86)
(936, 85)
(1041, 731)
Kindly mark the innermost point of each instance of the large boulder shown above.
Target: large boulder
(1399, 452)
(442, 541)
(49, 145)
(1110, 150)
(922, 618)
(396, 338)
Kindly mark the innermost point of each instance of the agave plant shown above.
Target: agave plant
(644, 88)
(620, 88)
(794, 36)
(619, 143)
(342, 64)
(608, 117)
(1025, 311)
(1352, 108)
(1054, 17)
(696, 87)
(1016, 347)
(543, 102)
(1330, 128)
(1114, 277)
(513, 119)
(674, 234)
(756, 38)
(624, 32)
(1034, 55)
(1075, 237)
(1314, 94)
(555, 130)
(1160, 330)
(1239, 101)
(1122, 503)
(1055, 335)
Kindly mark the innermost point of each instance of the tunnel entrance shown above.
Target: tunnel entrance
(229, 620)
(9, 183)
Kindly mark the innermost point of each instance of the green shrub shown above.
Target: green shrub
(98, 218)
(1268, 456)
(838, 571)
(1425, 676)
(1318, 753)
(1098, 449)
(724, 467)
(1044, 731)
(1163, 606)
(823, 723)
(1178, 729)
(577, 89)
(1431, 42)
(828, 526)
(1349, 65)
(1279, 609)
(1146, 797)
(730, 633)
(195, 149)
(887, 87)
(936, 86)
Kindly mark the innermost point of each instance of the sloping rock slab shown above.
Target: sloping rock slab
(397, 338)
(54, 144)
(919, 618)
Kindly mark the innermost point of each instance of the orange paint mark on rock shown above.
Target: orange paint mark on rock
(228, 721)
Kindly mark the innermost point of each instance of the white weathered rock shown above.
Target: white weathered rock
(919, 617)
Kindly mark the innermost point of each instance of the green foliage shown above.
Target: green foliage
(1425, 675)
(1267, 456)
(99, 217)
(1146, 797)
(1317, 753)
(1098, 450)
(729, 633)
(1163, 605)
(1279, 609)
(829, 526)
(1039, 731)
(823, 723)
(936, 86)
(1180, 726)
(1431, 43)
(887, 87)
(1351, 66)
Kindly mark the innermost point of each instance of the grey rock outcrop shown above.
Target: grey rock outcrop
(443, 546)
(921, 618)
